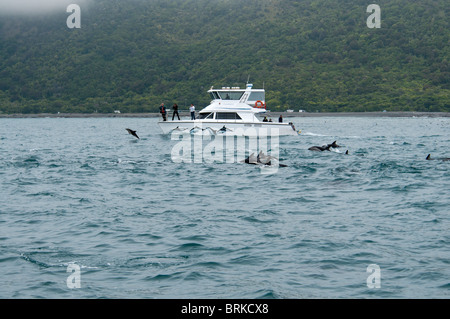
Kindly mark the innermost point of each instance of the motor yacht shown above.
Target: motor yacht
(232, 111)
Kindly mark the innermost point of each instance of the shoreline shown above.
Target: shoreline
(270, 114)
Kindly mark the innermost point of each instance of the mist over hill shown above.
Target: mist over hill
(316, 55)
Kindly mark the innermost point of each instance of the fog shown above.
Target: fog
(33, 7)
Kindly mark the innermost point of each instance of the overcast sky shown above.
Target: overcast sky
(14, 7)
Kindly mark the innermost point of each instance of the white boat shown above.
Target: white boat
(232, 111)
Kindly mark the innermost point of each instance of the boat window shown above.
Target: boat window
(202, 116)
(230, 95)
(214, 96)
(227, 116)
(256, 96)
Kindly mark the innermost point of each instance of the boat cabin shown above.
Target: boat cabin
(249, 96)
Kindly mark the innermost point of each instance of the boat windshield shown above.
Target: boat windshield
(214, 96)
(227, 95)
(202, 116)
(256, 96)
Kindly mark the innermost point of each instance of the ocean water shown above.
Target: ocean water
(84, 193)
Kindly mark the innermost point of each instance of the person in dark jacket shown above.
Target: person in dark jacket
(175, 111)
(162, 110)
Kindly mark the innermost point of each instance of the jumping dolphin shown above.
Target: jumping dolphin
(132, 132)
(195, 129)
(440, 159)
(207, 129)
(324, 147)
(224, 129)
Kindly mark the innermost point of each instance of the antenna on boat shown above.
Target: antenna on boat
(248, 78)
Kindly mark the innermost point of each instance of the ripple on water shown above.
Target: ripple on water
(141, 225)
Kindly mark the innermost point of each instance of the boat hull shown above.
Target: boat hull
(228, 127)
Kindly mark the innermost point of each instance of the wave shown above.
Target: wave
(313, 134)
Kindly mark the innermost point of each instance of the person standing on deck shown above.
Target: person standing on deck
(162, 110)
(192, 110)
(175, 111)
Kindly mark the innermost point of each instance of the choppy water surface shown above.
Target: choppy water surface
(139, 225)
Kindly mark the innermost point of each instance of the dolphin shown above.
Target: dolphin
(261, 158)
(195, 129)
(132, 132)
(333, 145)
(319, 148)
(198, 129)
(224, 129)
(324, 147)
(252, 159)
(440, 158)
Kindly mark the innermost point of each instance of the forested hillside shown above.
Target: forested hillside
(316, 55)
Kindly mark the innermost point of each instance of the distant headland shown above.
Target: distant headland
(274, 114)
